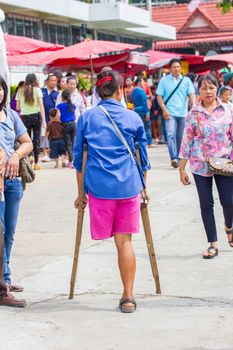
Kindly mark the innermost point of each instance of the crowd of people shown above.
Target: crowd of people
(193, 116)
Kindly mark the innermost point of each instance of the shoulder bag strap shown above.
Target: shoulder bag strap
(172, 93)
(118, 132)
(202, 136)
(134, 159)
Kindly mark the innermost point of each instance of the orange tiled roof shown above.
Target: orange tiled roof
(174, 44)
(178, 15)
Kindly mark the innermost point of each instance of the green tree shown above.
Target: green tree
(225, 6)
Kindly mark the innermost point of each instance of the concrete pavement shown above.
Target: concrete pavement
(193, 312)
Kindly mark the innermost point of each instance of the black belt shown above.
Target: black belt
(8, 177)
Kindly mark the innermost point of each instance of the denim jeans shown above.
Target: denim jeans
(205, 192)
(175, 128)
(9, 210)
(163, 128)
(147, 126)
(2, 284)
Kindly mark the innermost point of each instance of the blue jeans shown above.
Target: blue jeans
(163, 128)
(175, 128)
(9, 210)
(147, 126)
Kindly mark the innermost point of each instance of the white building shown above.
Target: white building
(69, 21)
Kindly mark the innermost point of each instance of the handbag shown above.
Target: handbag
(217, 165)
(134, 158)
(26, 171)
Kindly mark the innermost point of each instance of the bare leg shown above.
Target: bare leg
(63, 161)
(45, 152)
(56, 163)
(126, 263)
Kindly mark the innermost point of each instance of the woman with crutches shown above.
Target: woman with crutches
(113, 181)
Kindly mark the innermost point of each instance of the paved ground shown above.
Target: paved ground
(194, 311)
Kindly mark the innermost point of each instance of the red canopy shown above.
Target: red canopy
(226, 58)
(86, 50)
(96, 64)
(159, 59)
(29, 59)
(17, 45)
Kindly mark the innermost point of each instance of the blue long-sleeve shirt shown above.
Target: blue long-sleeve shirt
(110, 171)
(140, 101)
(49, 100)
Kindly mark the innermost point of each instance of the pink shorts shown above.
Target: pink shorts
(111, 216)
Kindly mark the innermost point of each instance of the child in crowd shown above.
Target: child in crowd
(67, 110)
(155, 113)
(225, 96)
(55, 135)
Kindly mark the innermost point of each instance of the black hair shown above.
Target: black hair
(21, 84)
(66, 96)
(174, 60)
(210, 78)
(58, 74)
(53, 112)
(71, 77)
(223, 89)
(108, 83)
(191, 76)
(3, 85)
(138, 80)
(50, 75)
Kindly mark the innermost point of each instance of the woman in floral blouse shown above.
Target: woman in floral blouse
(209, 133)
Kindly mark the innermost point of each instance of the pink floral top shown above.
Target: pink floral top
(213, 139)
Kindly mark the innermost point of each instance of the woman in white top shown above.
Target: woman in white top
(76, 97)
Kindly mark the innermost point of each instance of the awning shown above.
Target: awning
(226, 57)
(159, 59)
(175, 44)
(16, 45)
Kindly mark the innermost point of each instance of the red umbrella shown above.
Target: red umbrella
(29, 59)
(225, 57)
(88, 50)
(159, 59)
(17, 45)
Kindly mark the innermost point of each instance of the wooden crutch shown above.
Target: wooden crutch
(148, 235)
(79, 228)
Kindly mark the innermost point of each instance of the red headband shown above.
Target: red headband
(104, 80)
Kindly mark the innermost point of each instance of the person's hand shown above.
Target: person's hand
(84, 201)
(145, 196)
(44, 125)
(147, 118)
(166, 115)
(2, 161)
(12, 166)
(184, 178)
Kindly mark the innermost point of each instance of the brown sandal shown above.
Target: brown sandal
(229, 231)
(127, 308)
